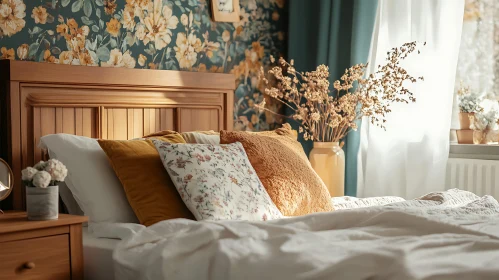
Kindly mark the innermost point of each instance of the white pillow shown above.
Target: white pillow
(91, 178)
(68, 199)
(217, 182)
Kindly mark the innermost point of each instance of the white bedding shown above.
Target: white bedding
(450, 235)
(98, 256)
(349, 202)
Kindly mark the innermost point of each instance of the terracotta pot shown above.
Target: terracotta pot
(464, 120)
(464, 136)
(328, 161)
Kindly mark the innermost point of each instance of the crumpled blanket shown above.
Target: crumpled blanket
(444, 235)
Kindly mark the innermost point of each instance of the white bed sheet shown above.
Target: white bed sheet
(98, 250)
(98, 256)
(449, 235)
(349, 202)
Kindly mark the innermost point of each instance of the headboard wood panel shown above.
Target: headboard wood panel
(109, 103)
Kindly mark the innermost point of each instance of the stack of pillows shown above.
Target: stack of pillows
(195, 175)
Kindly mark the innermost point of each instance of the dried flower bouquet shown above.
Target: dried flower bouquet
(326, 116)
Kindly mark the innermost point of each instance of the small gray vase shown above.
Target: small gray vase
(42, 203)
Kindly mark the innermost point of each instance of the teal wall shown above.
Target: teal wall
(152, 34)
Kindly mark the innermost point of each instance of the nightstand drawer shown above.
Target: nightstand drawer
(37, 258)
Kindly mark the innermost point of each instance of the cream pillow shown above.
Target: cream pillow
(91, 178)
(68, 199)
(202, 137)
(217, 182)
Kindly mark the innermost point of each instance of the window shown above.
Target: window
(478, 68)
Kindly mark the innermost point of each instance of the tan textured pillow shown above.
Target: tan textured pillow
(284, 170)
(147, 185)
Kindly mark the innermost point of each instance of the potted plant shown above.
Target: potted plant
(42, 190)
(484, 123)
(326, 116)
(469, 104)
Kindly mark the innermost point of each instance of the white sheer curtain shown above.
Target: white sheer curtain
(409, 158)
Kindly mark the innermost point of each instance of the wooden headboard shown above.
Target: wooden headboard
(37, 99)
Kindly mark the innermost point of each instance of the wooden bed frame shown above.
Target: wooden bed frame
(37, 99)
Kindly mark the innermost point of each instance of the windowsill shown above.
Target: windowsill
(471, 151)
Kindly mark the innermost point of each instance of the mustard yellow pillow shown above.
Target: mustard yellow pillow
(147, 185)
(283, 168)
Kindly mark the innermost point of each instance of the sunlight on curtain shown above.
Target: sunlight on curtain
(409, 159)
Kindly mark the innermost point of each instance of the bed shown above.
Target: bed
(448, 235)
(98, 256)
(98, 247)
(38, 99)
(41, 98)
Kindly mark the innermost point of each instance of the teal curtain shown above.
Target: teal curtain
(336, 33)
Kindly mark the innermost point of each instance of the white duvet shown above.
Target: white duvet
(449, 235)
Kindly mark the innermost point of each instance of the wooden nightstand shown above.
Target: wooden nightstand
(41, 249)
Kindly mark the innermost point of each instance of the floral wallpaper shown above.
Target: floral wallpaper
(152, 34)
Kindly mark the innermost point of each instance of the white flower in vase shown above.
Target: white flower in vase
(42, 179)
(42, 202)
(28, 173)
(56, 169)
(40, 166)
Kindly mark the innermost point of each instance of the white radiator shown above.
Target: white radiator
(475, 175)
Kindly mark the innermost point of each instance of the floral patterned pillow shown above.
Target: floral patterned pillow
(217, 182)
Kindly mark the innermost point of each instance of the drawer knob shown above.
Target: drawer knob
(29, 265)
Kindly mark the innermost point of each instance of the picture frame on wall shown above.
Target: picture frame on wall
(225, 10)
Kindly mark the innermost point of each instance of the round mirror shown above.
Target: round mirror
(6, 180)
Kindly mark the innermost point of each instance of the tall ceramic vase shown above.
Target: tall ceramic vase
(328, 161)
